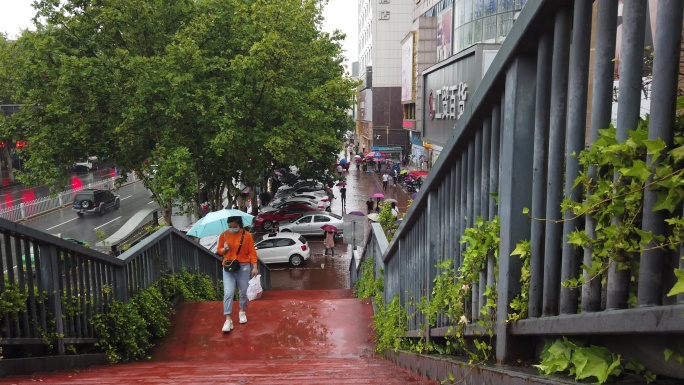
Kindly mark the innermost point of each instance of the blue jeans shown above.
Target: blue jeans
(240, 277)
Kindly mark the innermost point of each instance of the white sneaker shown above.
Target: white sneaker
(227, 326)
(243, 317)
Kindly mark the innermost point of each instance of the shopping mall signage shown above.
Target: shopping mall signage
(448, 102)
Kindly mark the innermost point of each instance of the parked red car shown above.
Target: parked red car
(266, 220)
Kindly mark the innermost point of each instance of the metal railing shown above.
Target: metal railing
(39, 206)
(67, 284)
(518, 138)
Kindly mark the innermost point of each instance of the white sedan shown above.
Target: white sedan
(310, 223)
(288, 247)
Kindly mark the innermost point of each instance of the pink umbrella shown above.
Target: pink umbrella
(378, 195)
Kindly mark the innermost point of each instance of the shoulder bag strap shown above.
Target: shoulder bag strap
(240, 247)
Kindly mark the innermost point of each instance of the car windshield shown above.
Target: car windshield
(334, 216)
(302, 240)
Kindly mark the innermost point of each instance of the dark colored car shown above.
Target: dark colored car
(267, 219)
(95, 201)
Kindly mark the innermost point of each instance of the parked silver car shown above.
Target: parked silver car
(310, 223)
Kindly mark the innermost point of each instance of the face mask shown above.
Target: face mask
(233, 230)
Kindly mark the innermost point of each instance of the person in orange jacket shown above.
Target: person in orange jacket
(236, 246)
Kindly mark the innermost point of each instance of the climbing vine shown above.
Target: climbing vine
(520, 303)
(615, 200)
(452, 293)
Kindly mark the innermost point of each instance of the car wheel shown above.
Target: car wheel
(267, 225)
(296, 260)
(101, 209)
(117, 204)
(85, 204)
(285, 231)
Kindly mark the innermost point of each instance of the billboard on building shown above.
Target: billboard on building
(444, 32)
(407, 69)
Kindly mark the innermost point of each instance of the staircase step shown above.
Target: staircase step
(370, 370)
(306, 326)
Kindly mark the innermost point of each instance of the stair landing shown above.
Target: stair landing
(292, 337)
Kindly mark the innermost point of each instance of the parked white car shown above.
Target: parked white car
(281, 247)
(310, 223)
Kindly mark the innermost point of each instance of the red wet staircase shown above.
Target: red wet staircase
(291, 337)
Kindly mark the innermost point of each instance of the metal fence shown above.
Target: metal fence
(518, 138)
(67, 284)
(39, 206)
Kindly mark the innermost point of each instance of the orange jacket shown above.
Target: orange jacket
(247, 253)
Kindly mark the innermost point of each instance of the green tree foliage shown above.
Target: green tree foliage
(214, 92)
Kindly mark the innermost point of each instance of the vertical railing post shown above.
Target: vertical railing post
(515, 190)
(661, 125)
(541, 145)
(434, 248)
(120, 284)
(49, 275)
(629, 104)
(601, 106)
(494, 156)
(577, 116)
(555, 172)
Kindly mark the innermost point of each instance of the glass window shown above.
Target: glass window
(489, 7)
(467, 10)
(321, 218)
(478, 9)
(267, 244)
(506, 5)
(504, 25)
(490, 29)
(458, 13)
(304, 220)
(284, 242)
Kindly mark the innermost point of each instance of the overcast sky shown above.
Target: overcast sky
(16, 15)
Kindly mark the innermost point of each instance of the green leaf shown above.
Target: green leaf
(639, 170)
(668, 353)
(677, 153)
(655, 147)
(678, 287)
(495, 196)
(646, 236)
(665, 201)
(596, 362)
(525, 210)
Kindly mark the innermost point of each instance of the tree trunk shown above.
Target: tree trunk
(168, 211)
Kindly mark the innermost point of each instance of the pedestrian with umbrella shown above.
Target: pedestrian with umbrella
(236, 246)
(378, 197)
(329, 240)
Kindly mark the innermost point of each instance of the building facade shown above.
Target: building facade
(381, 26)
(446, 53)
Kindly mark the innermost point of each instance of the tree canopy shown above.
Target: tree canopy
(211, 91)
